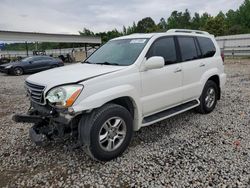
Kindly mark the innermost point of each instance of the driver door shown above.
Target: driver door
(161, 88)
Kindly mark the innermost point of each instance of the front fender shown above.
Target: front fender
(98, 99)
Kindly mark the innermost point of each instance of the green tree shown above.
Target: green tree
(244, 14)
(86, 32)
(162, 26)
(179, 20)
(215, 26)
(146, 25)
(196, 21)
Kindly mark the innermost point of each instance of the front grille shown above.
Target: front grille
(35, 92)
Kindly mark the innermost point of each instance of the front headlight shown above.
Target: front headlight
(64, 96)
(9, 66)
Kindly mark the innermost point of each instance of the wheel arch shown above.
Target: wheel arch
(216, 79)
(128, 103)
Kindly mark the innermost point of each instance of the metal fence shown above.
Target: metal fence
(235, 45)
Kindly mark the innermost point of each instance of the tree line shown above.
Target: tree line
(231, 23)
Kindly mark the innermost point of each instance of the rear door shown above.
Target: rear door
(192, 66)
(31, 65)
(161, 87)
(208, 51)
(44, 63)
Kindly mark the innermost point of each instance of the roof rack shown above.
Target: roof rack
(187, 31)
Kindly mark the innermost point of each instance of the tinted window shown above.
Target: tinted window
(37, 58)
(41, 58)
(164, 47)
(207, 46)
(187, 48)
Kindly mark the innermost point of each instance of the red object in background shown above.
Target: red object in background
(222, 56)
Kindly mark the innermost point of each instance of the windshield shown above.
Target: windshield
(121, 52)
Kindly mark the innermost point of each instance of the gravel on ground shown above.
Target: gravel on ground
(188, 150)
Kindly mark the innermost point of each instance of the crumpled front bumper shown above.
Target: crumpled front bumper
(19, 118)
(48, 123)
(39, 113)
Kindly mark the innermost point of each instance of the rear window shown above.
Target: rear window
(207, 47)
(188, 48)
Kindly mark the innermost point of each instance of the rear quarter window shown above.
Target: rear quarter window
(207, 47)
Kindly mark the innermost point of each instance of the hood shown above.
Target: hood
(70, 74)
(10, 63)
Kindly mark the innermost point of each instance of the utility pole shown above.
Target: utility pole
(27, 49)
(86, 53)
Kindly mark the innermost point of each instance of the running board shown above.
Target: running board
(169, 112)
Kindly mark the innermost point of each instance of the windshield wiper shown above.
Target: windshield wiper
(107, 63)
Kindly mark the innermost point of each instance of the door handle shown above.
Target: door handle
(202, 65)
(177, 70)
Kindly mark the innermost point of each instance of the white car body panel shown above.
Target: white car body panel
(151, 91)
(160, 88)
(69, 74)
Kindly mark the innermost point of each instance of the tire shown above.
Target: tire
(209, 97)
(97, 132)
(18, 71)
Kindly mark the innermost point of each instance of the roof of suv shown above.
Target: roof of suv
(169, 32)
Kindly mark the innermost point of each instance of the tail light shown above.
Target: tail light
(222, 56)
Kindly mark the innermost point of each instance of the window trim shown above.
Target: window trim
(176, 49)
(198, 48)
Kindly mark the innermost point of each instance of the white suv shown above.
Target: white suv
(130, 82)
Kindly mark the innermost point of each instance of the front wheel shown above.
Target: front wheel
(106, 132)
(18, 71)
(209, 97)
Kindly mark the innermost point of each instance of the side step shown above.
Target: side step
(169, 112)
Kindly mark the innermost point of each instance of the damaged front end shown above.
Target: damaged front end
(49, 122)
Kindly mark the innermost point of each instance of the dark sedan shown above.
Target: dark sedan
(31, 65)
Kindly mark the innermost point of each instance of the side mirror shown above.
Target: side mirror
(30, 62)
(155, 62)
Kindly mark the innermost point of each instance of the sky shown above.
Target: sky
(71, 16)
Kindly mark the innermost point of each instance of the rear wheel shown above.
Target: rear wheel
(106, 132)
(209, 97)
(18, 71)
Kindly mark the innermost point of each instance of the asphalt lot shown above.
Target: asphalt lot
(187, 150)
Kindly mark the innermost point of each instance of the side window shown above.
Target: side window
(36, 59)
(39, 59)
(164, 47)
(207, 47)
(187, 48)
